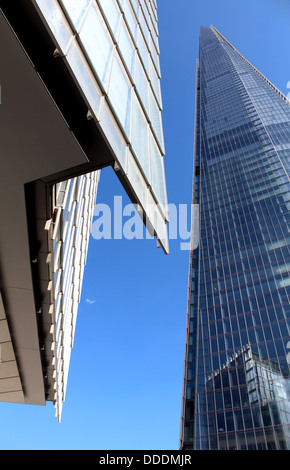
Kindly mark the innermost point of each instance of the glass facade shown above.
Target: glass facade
(236, 392)
(111, 49)
(73, 206)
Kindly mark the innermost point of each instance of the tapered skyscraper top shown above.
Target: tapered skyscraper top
(236, 384)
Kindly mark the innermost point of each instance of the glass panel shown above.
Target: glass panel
(143, 51)
(85, 78)
(93, 34)
(155, 82)
(57, 22)
(157, 172)
(137, 179)
(144, 27)
(75, 10)
(127, 49)
(120, 92)
(140, 136)
(155, 58)
(156, 218)
(136, 7)
(112, 133)
(131, 19)
(156, 121)
(112, 14)
(142, 85)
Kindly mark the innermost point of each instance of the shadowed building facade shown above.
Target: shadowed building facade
(236, 372)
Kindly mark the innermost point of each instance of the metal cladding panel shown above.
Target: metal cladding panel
(10, 383)
(67, 238)
(111, 50)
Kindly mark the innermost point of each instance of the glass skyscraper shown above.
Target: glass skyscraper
(236, 392)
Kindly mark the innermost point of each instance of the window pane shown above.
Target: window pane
(75, 10)
(113, 134)
(84, 76)
(127, 49)
(142, 85)
(131, 19)
(93, 33)
(155, 116)
(140, 136)
(57, 22)
(112, 13)
(120, 95)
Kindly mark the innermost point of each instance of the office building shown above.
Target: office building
(80, 91)
(236, 371)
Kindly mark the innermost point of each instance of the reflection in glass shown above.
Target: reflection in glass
(119, 93)
(85, 78)
(116, 139)
(131, 19)
(142, 85)
(76, 10)
(94, 32)
(155, 115)
(57, 22)
(259, 395)
(157, 172)
(127, 49)
(111, 49)
(112, 13)
(140, 136)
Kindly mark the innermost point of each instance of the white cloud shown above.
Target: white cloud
(89, 301)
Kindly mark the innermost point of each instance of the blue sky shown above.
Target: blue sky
(125, 380)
